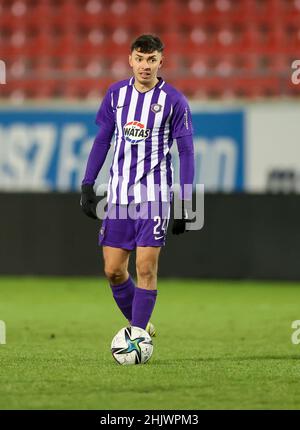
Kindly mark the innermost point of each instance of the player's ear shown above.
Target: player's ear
(161, 62)
(130, 60)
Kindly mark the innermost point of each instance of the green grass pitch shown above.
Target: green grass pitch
(220, 345)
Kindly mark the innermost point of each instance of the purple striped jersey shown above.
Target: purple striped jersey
(144, 125)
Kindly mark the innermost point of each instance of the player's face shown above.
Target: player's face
(145, 66)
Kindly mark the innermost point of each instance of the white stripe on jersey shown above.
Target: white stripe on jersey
(127, 151)
(110, 178)
(154, 153)
(141, 148)
(115, 178)
(163, 170)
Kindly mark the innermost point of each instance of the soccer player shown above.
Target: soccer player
(146, 114)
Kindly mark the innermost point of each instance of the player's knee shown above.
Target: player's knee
(115, 276)
(146, 270)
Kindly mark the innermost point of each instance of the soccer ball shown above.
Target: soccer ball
(132, 345)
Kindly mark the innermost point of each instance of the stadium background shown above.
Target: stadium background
(235, 62)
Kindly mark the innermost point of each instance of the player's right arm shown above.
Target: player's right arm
(97, 156)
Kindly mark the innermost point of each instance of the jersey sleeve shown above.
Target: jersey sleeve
(97, 157)
(105, 116)
(181, 124)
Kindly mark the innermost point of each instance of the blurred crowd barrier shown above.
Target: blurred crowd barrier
(253, 147)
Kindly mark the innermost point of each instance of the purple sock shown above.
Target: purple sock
(123, 295)
(142, 306)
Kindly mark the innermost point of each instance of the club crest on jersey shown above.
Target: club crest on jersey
(135, 132)
(155, 107)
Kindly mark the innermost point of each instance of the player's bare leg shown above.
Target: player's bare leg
(116, 264)
(116, 271)
(147, 266)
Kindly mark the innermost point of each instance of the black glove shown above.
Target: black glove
(88, 200)
(179, 225)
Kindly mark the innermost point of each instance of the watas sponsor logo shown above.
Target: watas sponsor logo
(135, 132)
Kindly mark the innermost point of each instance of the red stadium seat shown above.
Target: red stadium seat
(214, 48)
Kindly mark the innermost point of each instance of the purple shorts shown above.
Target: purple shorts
(139, 224)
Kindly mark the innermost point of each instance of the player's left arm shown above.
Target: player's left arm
(182, 130)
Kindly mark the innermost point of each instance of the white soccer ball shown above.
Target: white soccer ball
(132, 345)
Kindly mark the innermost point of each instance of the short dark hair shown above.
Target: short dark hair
(147, 43)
